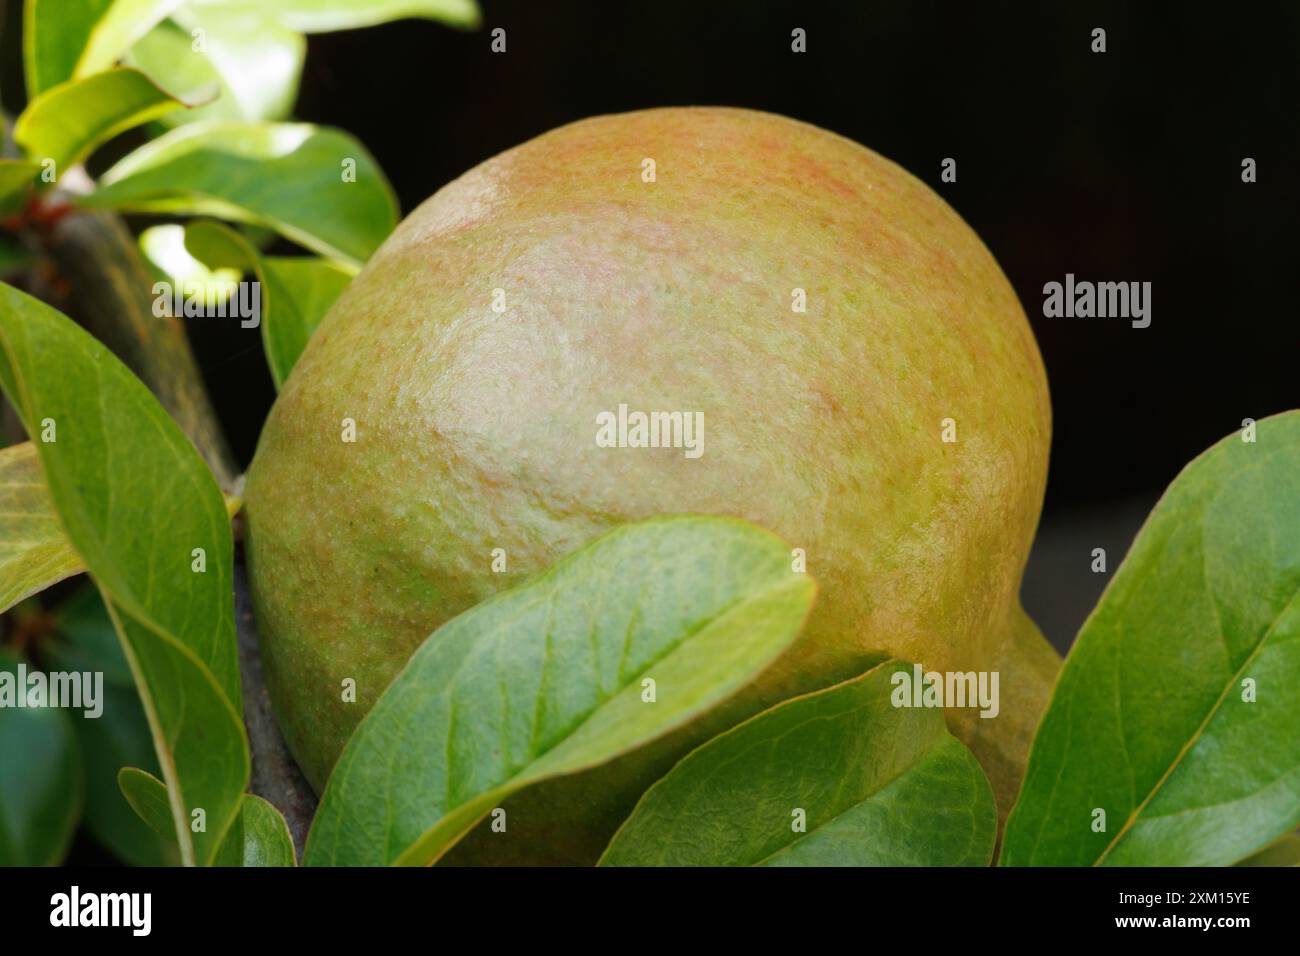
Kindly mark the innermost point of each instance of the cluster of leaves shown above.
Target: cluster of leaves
(121, 492)
(218, 78)
(1175, 714)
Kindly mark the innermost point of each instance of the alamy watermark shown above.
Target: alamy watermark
(1099, 300)
(243, 300)
(23, 688)
(948, 689)
(133, 911)
(626, 429)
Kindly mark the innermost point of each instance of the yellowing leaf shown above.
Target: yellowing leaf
(34, 551)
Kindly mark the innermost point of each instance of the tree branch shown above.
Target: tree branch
(276, 776)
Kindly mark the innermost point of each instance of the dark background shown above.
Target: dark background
(1117, 166)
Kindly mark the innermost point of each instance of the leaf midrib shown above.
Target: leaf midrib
(1195, 737)
(522, 778)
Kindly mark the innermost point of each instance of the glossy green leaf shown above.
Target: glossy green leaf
(34, 551)
(547, 679)
(266, 839)
(84, 640)
(1152, 720)
(254, 60)
(259, 835)
(67, 122)
(71, 39)
(138, 504)
(841, 777)
(40, 780)
(296, 292)
(320, 16)
(291, 177)
(55, 33)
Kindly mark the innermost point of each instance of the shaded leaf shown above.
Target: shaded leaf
(136, 501)
(147, 796)
(84, 640)
(1151, 720)
(877, 785)
(547, 679)
(67, 122)
(40, 780)
(34, 551)
(296, 292)
(286, 176)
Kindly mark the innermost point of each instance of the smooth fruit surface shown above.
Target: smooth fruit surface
(476, 428)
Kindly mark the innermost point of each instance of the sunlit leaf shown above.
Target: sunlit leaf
(144, 513)
(316, 186)
(67, 122)
(34, 551)
(320, 16)
(549, 679)
(71, 39)
(254, 60)
(1171, 738)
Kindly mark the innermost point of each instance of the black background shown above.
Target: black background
(1117, 166)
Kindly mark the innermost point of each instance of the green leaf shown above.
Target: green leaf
(1151, 720)
(34, 551)
(40, 780)
(1281, 852)
(254, 60)
(71, 39)
(136, 501)
(147, 796)
(55, 32)
(67, 122)
(877, 785)
(16, 175)
(321, 16)
(547, 679)
(164, 247)
(301, 291)
(296, 292)
(84, 640)
(258, 837)
(266, 839)
(287, 176)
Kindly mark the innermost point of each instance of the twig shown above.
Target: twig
(276, 776)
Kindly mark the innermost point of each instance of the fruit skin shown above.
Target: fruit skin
(476, 429)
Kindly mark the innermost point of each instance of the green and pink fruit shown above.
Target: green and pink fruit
(870, 390)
